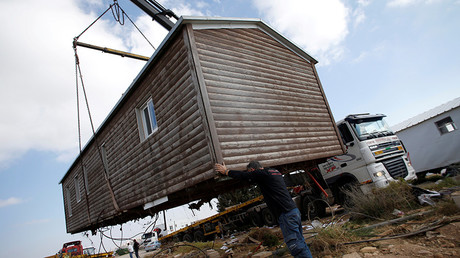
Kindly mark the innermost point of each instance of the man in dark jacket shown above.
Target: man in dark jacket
(136, 248)
(278, 200)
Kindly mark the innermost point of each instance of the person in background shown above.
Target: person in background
(278, 200)
(130, 250)
(136, 248)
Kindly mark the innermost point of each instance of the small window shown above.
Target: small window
(446, 125)
(345, 133)
(148, 121)
(85, 177)
(77, 188)
(69, 205)
(104, 158)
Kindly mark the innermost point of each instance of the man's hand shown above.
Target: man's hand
(221, 168)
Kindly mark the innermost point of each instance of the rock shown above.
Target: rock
(368, 249)
(212, 253)
(262, 254)
(425, 252)
(438, 256)
(352, 255)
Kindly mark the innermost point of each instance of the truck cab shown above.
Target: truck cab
(374, 157)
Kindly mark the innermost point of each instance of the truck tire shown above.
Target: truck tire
(313, 207)
(176, 238)
(255, 219)
(198, 236)
(187, 238)
(268, 217)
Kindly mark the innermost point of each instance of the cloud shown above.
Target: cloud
(405, 3)
(319, 27)
(38, 73)
(183, 7)
(10, 201)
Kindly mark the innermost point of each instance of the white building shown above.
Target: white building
(432, 138)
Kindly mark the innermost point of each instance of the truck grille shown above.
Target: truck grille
(396, 167)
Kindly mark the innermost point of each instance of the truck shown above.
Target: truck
(305, 189)
(374, 156)
(75, 249)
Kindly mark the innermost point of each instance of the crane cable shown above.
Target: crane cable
(119, 16)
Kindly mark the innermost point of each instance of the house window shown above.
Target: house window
(147, 120)
(105, 162)
(85, 177)
(446, 125)
(77, 189)
(69, 205)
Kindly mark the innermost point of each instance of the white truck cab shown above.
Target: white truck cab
(375, 155)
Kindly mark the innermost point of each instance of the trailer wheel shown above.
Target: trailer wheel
(268, 217)
(187, 238)
(255, 219)
(312, 208)
(198, 236)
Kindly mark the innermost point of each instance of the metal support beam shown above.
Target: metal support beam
(157, 12)
(112, 51)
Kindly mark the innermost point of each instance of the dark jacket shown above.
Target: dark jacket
(273, 188)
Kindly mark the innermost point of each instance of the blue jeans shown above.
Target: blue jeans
(291, 226)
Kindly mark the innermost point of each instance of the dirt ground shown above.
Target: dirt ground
(443, 240)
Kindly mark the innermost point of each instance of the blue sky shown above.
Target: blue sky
(397, 57)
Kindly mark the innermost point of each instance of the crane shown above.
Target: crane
(157, 12)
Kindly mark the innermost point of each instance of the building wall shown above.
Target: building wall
(267, 103)
(228, 95)
(428, 149)
(141, 172)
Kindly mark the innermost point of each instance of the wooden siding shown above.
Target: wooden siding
(266, 101)
(228, 95)
(172, 159)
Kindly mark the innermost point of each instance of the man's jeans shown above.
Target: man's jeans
(291, 226)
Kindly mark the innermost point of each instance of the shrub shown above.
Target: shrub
(266, 236)
(331, 237)
(121, 251)
(381, 202)
(447, 208)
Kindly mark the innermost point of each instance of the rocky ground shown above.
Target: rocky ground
(436, 237)
(427, 233)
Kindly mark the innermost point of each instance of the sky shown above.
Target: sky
(396, 57)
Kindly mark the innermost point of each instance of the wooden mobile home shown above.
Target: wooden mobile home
(216, 90)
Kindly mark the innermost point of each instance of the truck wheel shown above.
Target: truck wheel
(176, 238)
(255, 219)
(187, 238)
(268, 217)
(312, 208)
(198, 236)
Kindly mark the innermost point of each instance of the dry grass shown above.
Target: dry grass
(380, 203)
(447, 208)
(266, 236)
(329, 239)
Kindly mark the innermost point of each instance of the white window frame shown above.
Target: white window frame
(446, 125)
(146, 119)
(105, 162)
(69, 204)
(76, 180)
(85, 178)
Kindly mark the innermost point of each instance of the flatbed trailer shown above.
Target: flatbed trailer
(212, 225)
